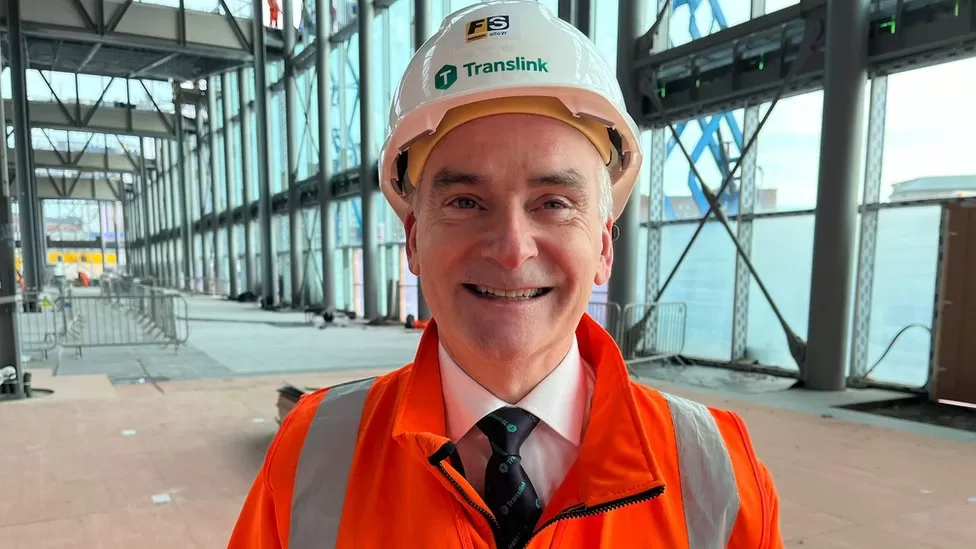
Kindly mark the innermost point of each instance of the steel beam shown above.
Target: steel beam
(246, 177)
(327, 217)
(623, 282)
(99, 119)
(92, 188)
(142, 27)
(367, 158)
(229, 179)
(745, 64)
(825, 367)
(88, 162)
(295, 232)
(269, 286)
(214, 176)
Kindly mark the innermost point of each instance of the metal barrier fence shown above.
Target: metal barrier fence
(39, 331)
(121, 313)
(160, 315)
(643, 330)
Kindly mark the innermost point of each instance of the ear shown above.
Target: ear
(605, 264)
(410, 227)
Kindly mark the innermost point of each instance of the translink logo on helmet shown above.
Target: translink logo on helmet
(448, 74)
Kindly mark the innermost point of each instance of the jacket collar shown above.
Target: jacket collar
(615, 459)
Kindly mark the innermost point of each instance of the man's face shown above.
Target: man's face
(507, 237)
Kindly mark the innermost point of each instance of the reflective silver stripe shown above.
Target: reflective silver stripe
(324, 464)
(708, 489)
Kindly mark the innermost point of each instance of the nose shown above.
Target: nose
(510, 238)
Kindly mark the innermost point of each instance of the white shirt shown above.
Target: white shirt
(561, 402)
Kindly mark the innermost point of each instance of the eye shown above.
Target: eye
(465, 203)
(554, 205)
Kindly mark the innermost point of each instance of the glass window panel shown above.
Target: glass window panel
(350, 107)
(605, 30)
(776, 5)
(788, 281)
(705, 282)
(710, 142)
(928, 148)
(788, 154)
(693, 19)
(906, 262)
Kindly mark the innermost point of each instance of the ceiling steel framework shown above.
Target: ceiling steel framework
(128, 39)
(745, 64)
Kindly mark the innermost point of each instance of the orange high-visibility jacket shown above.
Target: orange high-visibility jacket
(367, 464)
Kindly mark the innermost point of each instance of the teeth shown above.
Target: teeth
(517, 294)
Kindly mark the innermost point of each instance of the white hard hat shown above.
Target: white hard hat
(506, 56)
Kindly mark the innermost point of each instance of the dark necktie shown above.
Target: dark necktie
(508, 490)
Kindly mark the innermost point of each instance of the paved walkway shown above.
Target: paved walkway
(81, 468)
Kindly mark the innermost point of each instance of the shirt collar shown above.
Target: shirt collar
(561, 400)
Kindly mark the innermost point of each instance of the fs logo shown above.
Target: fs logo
(496, 25)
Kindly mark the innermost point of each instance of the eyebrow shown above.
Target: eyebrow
(570, 178)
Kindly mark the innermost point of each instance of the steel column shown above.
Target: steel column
(101, 233)
(164, 218)
(864, 285)
(172, 201)
(243, 91)
(577, 13)
(295, 232)
(201, 199)
(9, 346)
(131, 222)
(421, 31)
(214, 178)
(367, 158)
(747, 201)
(269, 286)
(327, 217)
(836, 216)
(118, 238)
(29, 238)
(144, 195)
(746, 206)
(184, 211)
(229, 181)
(657, 158)
(630, 28)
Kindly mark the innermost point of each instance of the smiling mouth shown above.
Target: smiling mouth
(510, 295)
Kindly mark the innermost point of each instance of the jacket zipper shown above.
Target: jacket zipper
(570, 513)
(583, 511)
(495, 527)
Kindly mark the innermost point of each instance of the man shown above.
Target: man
(510, 154)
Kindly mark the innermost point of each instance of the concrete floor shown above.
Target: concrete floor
(82, 466)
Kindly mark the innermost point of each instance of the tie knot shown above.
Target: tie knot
(507, 428)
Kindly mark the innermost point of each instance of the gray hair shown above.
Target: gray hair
(606, 193)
